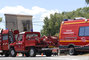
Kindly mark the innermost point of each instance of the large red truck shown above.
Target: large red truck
(31, 43)
(74, 35)
(6, 38)
(28, 43)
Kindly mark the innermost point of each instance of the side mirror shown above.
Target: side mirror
(16, 31)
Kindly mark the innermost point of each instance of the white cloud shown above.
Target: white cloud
(37, 12)
(21, 10)
(34, 11)
(48, 12)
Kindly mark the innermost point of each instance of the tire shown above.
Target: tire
(7, 54)
(12, 52)
(48, 53)
(1, 54)
(27, 54)
(71, 51)
(32, 52)
(22, 55)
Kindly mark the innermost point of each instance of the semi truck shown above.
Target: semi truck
(28, 43)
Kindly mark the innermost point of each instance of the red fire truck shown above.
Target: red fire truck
(6, 38)
(74, 35)
(28, 43)
(31, 43)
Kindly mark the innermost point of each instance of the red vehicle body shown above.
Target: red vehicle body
(31, 43)
(6, 37)
(74, 35)
(28, 43)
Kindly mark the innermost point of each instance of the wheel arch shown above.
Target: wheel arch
(27, 48)
(11, 47)
(71, 45)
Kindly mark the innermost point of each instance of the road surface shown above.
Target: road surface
(47, 58)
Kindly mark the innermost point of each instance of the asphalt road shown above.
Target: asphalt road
(47, 58)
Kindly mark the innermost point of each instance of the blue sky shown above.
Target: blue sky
(38, 9)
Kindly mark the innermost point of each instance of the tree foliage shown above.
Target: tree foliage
(52, 24)
(87, 1)
(0, 19)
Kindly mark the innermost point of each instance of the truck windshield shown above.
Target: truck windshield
(5, 37)
(20, 37)
(31, 35)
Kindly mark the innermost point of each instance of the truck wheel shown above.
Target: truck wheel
(1, 54)
(12, 52)
(32, 52)
(48, 53)
(6, 54)
(27, 54)
(71, 51)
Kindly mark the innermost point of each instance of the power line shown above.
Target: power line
(38, 21)
(37, 24)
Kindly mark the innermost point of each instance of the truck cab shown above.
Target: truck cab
(6, 37)
(24, 41)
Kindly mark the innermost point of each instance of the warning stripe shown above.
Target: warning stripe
(73, 41)
(77, 22)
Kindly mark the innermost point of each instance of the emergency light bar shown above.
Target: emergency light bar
(79, 18)
(65, 19)
(76, 18)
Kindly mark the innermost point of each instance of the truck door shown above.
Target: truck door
(5, 41)
(30, 39)
(19, 43)
(84, 37)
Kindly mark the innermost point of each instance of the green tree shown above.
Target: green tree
(45, 27)
(87, 1)
(52, 24)
(0, 19)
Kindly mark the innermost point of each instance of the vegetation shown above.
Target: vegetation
(87, 1)
(0, 19)
(52, 24)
